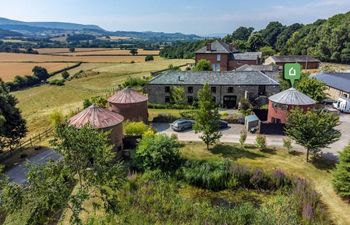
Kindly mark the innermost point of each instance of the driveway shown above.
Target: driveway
(232, 135)
(19, 172)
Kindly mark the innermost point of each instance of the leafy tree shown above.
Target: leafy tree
(287, 143)
(242, 33)
(315, 89)
(88, 155)
(271, 33)
(13, 125)
(98, 101)
(202, 65)
(267, 51)
(65, 75)
(285, 35)
(149, 58)
(207, 117)
(255, 42)
(40, 73)
(312, 129)
(136, 128)
(133, 51)
(71, 49)
(158, 152)
(341, 175)
(178, 95)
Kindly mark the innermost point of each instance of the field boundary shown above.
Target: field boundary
(157, 72)
(64, 69)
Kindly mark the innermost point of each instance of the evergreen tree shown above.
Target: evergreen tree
(13, 126)
(207, 117)
(341, 176)
(202, 65)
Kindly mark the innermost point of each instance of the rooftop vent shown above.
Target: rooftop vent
(209, 47)
(181, 78)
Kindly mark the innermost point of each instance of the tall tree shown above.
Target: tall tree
(313, 130)
(315, 89)
(202, 65)
(133, 51)
(242, 33)
(207, 117)
(13, 126)
(178, 95)
(271, 33)
(255, 41)
(41, 73)
(341, 176)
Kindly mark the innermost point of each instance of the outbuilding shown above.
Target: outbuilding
(101, 119)
(282, 103)
(130, 104)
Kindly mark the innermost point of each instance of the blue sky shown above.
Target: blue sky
(187, 16)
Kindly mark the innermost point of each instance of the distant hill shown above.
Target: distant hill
(8, 33)
(157, 35)
(48, 25)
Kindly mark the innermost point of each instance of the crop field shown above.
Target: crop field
(9, 70)
(37, 103)
(93, 51)
(15, 57)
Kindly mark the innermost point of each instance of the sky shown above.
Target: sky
(201, 17)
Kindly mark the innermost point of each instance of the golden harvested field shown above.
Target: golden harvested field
(66, 50)
(15, 57)
(9, 70)
(112, 52)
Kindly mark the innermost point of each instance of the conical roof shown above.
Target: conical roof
(292, 97)
(96, 117)
(127, 96)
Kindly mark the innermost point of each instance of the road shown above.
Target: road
(232, 135)
(19, 172)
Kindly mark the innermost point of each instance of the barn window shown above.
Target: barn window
(167, 99)
(190, 90)
(230, 90)
(213, 90)
(167, 89)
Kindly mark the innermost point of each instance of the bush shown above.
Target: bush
(341, 176)
(245, 107)
(65, 75)
(209, 175)
(287, 143)
(202, 65)
(56, 118)
(136, 128)
(169, 106)
(165, 118)
(158, 152)
(57, 82)
(261, 142)
(243, 137)
(134, 82)
(98, 101)
(149, 58)
(188, 114)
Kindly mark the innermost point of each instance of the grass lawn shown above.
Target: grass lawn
(319, 176)
(38, 102)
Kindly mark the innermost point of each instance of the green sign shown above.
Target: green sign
(292, 72)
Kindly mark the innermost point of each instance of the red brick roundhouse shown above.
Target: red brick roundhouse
(282, 103)
(224, 57)
(130, 104)
(101, 119)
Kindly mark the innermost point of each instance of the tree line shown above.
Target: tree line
(327, 40)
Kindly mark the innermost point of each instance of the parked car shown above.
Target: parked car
(223, 124)
(181, 125)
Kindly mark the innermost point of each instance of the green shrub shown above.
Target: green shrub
(96, 100)
(245, 107)
(261, 142)
(169, 106)
(134, 82)
(158, 152)
(149, 58)
(209, 175)
(341, 176)
(65, 75)
(165, 118)
(287, 143)
(135, 128)
(188, 114)
(243, 137)
(57, 82)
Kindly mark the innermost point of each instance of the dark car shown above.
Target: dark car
(223, 124)
(182, 124)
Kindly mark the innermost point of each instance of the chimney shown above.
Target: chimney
(209, 47)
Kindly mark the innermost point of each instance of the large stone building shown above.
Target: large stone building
(306, 62)
(338, 84)
(224, 57)
(228, 88)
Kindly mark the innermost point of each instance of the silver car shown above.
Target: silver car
(181, 125)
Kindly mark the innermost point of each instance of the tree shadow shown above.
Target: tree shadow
(235, 152)
(326, 161)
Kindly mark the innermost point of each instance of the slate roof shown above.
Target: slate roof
(96, 117)
(127, 96)
(292, 97)
(269, 68)
(340, 81)
(217, 47)
(293, 58)
(213, 78)
(247, 55)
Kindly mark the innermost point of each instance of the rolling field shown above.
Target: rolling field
(15, 57)
(37, 103)
(9, 70)
(93, 51)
